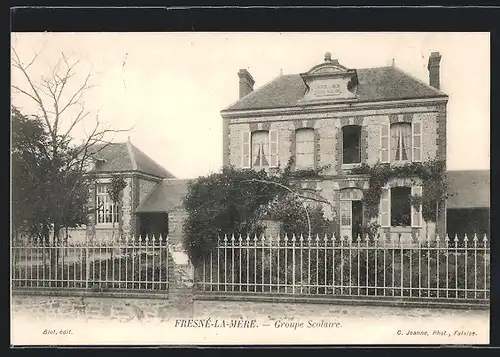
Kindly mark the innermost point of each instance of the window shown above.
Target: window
(107, 211)
(260, 146)
(259, 149)
(351, 144)
(345, 213)
(304, 149)
(401, 143)
(401, 206)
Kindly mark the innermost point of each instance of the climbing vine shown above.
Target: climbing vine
(434, 185)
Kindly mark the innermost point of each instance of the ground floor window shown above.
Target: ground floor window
(401, 206)
(351, 218)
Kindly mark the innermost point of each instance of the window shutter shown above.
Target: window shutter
(273, 148)
(384, 143)
(416, 216)
(385, 208)
(416, 139)
(245, 149)
(345, 213)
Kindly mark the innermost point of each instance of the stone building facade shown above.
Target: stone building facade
(339, 119)
(141, 175)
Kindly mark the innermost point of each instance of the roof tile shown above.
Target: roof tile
(382, 83)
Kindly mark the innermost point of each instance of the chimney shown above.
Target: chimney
(246, 82)
(433, 67)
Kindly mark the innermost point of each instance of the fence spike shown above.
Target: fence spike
(240, 239)
(301, 239)
(317, 237)
(146, 241)
(475, 238)
(456, 238)
(140, 239)
(225, 238)
(367, 238)
(286, 238)
(255, 238)
(437, 240)
(309, 238)
(465, 238)
(263, 238)
(248, 238)
(153, 240)
(446, 239)
(161, 237)
(485, 239)
(358, 238)
(293, 238)
(232, 237)
(326, 237)
(333, 237)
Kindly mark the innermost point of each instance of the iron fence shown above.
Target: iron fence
(138, 264)
(322, 266)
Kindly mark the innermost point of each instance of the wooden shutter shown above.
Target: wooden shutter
(416, 139)
(345, 213)
(385, 208)
(245, 149)
(416, 215)
(384, 143)
(273, 148)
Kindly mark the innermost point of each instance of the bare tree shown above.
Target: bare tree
(60, 101)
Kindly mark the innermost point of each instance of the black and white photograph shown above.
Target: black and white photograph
(250, 188)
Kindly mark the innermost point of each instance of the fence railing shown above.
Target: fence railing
(138, 264)
(321, 266)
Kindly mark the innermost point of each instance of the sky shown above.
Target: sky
(169, 88)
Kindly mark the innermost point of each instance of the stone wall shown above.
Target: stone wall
(329, 134)
(175, 222)
(127, 212)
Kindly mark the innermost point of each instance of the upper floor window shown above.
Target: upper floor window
(304, 149)
(260, 146)
(351, 144)
(259, 149)
(107, 211)
(401, 142)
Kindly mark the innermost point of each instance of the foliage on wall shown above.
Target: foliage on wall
(234, 201)
(118, 184)
(431, 173)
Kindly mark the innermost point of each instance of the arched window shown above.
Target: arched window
(351, 144)
(304, 148)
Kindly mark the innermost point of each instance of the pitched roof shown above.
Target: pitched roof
(382, 83)
(469, 189)
(121, 157)
(166, 196)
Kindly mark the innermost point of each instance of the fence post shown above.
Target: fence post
(87, 264)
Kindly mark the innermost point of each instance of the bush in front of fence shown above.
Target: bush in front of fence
(422, 272)
(128, 271)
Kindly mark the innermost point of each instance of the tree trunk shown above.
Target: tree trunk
(54, 252)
